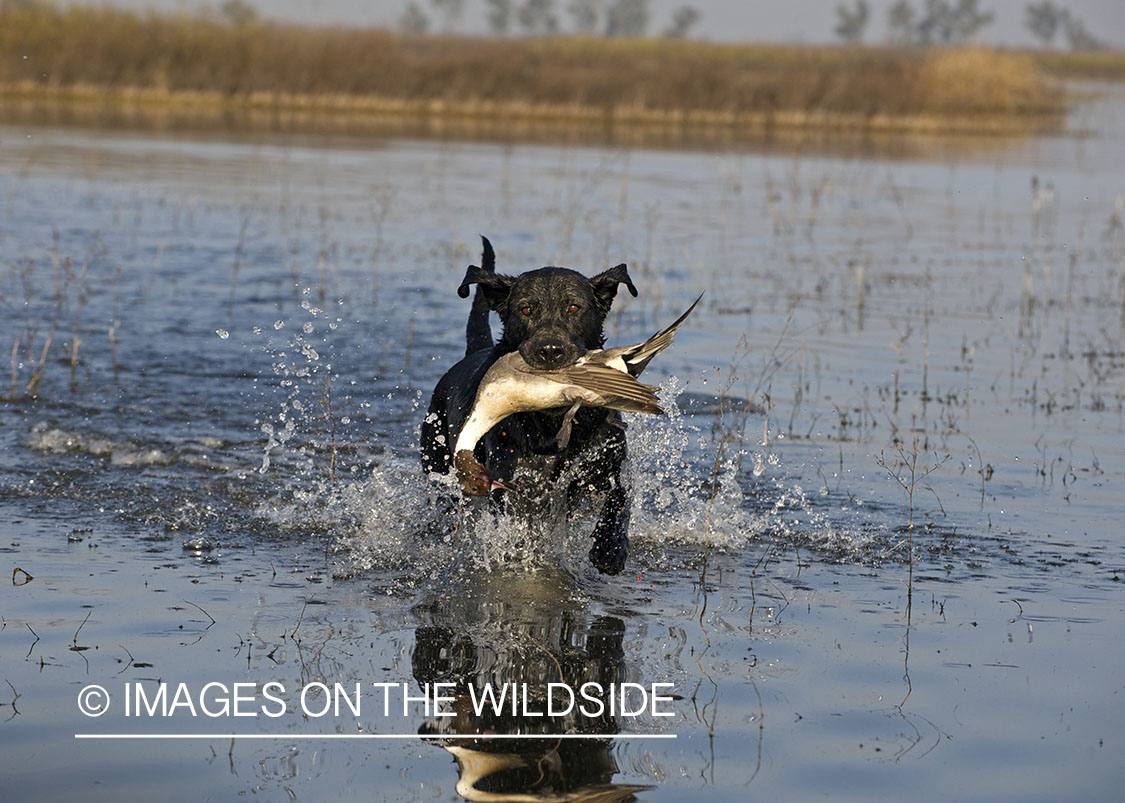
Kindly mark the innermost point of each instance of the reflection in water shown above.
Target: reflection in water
(343, 127)
(521, 632)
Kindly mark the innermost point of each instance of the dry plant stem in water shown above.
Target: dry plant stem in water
(727, 432)
(329, 418)
(903, 467)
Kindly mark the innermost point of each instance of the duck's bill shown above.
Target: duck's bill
(473, 478)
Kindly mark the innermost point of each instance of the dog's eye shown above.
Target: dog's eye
(525, 310)
(573, 308)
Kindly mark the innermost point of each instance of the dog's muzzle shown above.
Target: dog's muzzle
(549, 353)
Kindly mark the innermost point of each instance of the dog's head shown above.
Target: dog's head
(552, 315)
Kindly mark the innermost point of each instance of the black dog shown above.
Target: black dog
(552, 316)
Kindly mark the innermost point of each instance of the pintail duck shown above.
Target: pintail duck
(599, 378)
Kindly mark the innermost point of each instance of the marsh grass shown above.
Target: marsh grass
(1100, 65)
(86, 53)
(47, 303)
(35, 314)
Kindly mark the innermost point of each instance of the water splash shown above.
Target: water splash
(381, 512)
(49, 439)
(689, 494)
(301, 373)
(388, 515)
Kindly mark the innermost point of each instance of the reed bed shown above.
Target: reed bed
(54, 54)
(1093, 65)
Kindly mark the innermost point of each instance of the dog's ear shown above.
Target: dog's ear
(495, 286)
(487, 256)
(605, 285)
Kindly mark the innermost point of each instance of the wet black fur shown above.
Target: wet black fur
(552, 316)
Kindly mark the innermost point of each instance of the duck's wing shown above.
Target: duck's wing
(638, 356)
(599, 385)
(619, 391)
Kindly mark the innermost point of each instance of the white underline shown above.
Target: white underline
(420, 736)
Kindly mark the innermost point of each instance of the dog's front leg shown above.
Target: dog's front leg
(611, 533)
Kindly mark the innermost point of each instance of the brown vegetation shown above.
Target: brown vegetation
(1099, 65)
(52, 53)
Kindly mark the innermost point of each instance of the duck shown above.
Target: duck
(599, 378)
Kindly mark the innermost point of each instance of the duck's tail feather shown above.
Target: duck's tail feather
(636, 361)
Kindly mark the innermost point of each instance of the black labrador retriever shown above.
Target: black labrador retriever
(552, 316)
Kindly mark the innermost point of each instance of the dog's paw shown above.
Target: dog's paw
(608, 556)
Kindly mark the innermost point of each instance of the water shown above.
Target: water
(211, 475)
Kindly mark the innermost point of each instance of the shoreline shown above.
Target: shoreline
(296, 111)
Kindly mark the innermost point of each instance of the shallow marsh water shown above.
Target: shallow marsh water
(221, 486)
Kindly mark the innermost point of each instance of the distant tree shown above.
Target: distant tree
(537, 17)
(238, 12)
(968, 20)
(850, 23)
(936, 25)
(585, 15)
(901, 23)
(942, 24)
(1078, 37)
(499, 16)
(683, 19)
(627, 18)
(450, 11)
(413, 20)
(1044, 20)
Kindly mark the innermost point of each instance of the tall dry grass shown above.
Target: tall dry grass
(975, 79)
(46, 48)
(1097, 65)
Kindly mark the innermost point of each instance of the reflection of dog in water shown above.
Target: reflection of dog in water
(558, 649)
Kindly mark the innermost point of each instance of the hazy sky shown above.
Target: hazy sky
(749, 20)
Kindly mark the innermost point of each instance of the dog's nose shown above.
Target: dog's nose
(550, 353)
